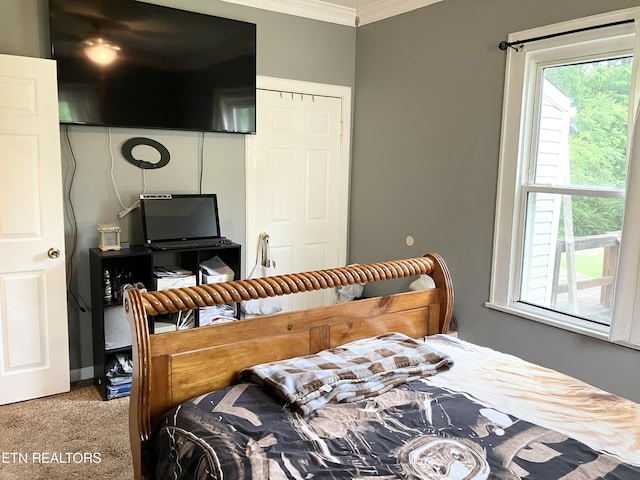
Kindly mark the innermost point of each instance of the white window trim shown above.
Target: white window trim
(515, 134)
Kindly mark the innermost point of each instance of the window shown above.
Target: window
(567, 234)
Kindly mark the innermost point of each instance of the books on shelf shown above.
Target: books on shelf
(119, 372)
(119, 379)
(121, 390)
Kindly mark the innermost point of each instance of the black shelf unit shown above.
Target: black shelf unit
(139, 262)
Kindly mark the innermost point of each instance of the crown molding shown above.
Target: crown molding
(381, 9)
(314, 9)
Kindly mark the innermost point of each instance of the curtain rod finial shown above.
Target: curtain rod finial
(503, 45)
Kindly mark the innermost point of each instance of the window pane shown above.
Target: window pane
(582, 136)
(571, 253)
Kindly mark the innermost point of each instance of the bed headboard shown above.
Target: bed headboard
(170, 368)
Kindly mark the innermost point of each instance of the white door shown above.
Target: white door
(34, 344)
(297, 182)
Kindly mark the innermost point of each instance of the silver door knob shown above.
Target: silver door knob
(53, 252)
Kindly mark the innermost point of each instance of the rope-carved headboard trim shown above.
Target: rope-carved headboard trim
(167, 301)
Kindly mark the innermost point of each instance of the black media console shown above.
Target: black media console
(111, 336)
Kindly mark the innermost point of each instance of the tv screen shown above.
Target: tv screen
(125, 63)
(179, 217)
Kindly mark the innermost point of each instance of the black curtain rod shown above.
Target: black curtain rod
(504, 45)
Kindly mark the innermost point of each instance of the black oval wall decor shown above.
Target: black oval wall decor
(129, 145)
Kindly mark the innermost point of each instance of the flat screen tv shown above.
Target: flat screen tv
(126, 63)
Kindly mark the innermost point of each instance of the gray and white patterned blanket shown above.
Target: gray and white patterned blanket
(349, 373)
(415, 431)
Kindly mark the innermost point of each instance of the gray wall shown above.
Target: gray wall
(288, 47)
(428, 103)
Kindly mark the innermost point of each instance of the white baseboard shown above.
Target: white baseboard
(84, 373)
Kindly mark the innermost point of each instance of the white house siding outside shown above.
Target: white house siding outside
(541, 235)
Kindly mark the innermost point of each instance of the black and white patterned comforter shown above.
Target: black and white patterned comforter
(419, 430)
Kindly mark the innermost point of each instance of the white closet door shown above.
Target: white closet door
(296, 185)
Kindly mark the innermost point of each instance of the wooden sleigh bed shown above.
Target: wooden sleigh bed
(182, 375)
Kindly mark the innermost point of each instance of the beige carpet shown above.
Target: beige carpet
(74, 435)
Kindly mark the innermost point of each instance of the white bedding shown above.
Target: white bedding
(542, 396)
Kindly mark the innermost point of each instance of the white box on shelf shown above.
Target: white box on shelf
(166, 283)
(215, 271)
(172, 277)
(216, 278)
(163, 327)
